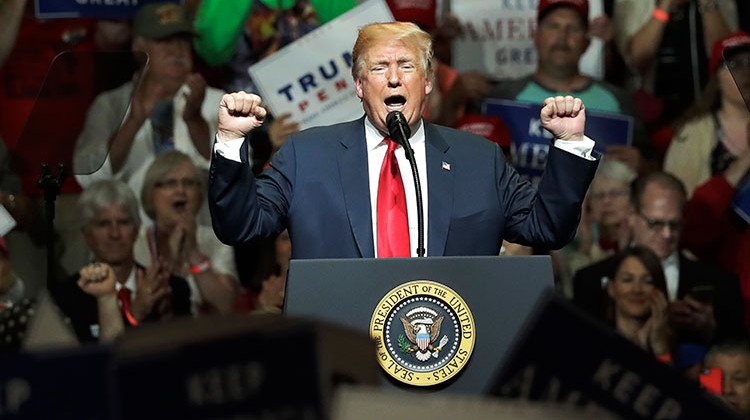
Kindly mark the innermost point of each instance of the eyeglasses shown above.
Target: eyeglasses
(656, 224)
(614, 193)
(172, 183)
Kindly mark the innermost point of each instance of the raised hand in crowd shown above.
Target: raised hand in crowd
(152, 290)
(601, 27)
(183, 243)
(656, 334)
(194, 98)
(279, 129)
(98, 280)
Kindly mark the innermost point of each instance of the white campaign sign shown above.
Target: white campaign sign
(311, 77)
(498, 38)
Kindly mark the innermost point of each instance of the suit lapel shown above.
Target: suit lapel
(352, 161)
(439, 190)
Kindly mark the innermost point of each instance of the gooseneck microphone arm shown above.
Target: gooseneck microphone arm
(399, 131)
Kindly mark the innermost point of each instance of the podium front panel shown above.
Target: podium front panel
(499, 291)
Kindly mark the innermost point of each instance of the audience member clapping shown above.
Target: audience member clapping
(638, 301)
(172, 193)
(171, 107)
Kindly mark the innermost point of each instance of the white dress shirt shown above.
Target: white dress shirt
(671, 266)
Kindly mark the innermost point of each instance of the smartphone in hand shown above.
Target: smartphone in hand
(711, 380)
(702, 293)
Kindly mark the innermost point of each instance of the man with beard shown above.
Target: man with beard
(170, 108)
(560, 40)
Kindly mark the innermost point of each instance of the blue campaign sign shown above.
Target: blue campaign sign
(103, 9)
(741, 200)
(530, 142)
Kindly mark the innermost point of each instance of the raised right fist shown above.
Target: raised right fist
(239, 113)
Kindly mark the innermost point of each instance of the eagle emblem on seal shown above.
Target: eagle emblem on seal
(422, 329)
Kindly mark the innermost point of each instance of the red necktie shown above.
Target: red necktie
(124, 295)
(393, 221)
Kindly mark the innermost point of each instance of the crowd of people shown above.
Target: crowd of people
(660, 253)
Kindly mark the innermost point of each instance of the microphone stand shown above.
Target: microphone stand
(51, 185)
(417, 185)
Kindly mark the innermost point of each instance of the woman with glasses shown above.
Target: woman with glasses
(637, 305)
(172, 194)
(603, 229)
(714, 132)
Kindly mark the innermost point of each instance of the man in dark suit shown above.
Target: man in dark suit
(705, 302)
(326, 183)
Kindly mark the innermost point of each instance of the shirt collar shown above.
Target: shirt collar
(672, 259)
(130, 282)
(375, 139)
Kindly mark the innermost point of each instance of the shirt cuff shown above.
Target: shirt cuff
(229, 149)
(581, 148)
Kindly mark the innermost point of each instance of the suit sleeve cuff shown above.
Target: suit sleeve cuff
(229, 149)
(581, 148)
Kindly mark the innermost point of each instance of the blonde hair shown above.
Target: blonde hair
(406, 32)
(163, 164)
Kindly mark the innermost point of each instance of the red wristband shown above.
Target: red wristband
(201, 267)
(660, 15)
(666, 357)
(131, 319)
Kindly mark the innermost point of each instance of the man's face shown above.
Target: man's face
(657, 225)
(110, 235)
(170, 57)
(392, 79)
(561, 40)
(735, 370)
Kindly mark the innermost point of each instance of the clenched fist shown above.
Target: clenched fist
(239, 113)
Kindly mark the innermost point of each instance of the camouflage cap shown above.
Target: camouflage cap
(161, 20)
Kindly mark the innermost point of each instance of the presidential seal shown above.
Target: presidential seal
(424, 333)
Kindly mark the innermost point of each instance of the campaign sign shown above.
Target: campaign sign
(563, 356)
(56, 384)
(497, 38)
(311, 78)
(530, 142)
(101, 9)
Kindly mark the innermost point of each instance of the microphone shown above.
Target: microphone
(399, 131)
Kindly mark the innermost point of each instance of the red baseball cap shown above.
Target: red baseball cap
(421, 12)
(737, 39)
(490, 127)
(581, 6)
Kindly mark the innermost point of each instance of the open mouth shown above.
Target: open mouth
(395, 102)
(180, 205)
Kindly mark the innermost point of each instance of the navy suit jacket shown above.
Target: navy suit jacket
(318, 187)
